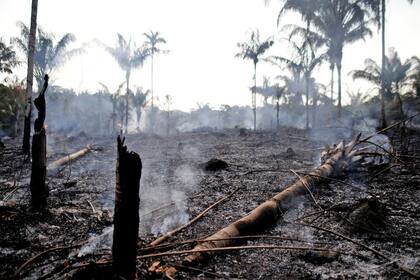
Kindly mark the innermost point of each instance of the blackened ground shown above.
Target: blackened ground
(81, 206)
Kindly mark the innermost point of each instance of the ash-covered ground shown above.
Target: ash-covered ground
(379, 208)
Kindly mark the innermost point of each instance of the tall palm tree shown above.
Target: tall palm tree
(153, 40)
(128, 57)
(29, 79)
(50, 55)
(253, 50)
(336, 23)
(392, 78)
(8, 58)
(139, 102)
(340, 22)
(378, 7)
(305, 61)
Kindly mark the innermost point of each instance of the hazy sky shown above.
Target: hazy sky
(202, 37)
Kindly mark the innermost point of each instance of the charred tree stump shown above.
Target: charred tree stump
(126, 214)
(39, 190)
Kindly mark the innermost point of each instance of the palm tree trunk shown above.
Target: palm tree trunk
(153, 98)
(151, 81)
(307, 100)
(339, 89)
(30, 79)
(332, 82)
(126, 103)
(278, 111)
(383, 117)
(254, 97)
(314, 108)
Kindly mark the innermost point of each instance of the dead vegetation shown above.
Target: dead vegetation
(359, 225)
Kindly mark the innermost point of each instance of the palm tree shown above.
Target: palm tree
(113, 97)
(336, 23)
(128, 58)
(8, 58)
(392, 78)
(29, 79)
(139, 102)
(50, 55)
(305, 60)
(153, 40)
(253, 50)
(378, 7)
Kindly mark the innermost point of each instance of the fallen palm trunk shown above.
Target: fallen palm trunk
(39, 190)
(334, 162)
(62, 161)
(126, 213)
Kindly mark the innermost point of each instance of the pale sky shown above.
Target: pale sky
(201, 36)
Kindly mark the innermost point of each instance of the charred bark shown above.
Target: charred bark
(126, 212)
(39, 190)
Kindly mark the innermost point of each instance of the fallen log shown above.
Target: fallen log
(64, 160)
(334, 162)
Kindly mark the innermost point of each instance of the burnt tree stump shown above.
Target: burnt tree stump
(126, 212)
(39, 190)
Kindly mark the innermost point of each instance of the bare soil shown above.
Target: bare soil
(81, 207)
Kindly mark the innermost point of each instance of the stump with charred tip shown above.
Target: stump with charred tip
(126, 212)
(39, 190)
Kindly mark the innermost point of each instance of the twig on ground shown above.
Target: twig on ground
(265, 170)
(34, 258)
(245, 237)
(307, 188)
(235, 248)
(197, 270)
(167, 235)
(374, 251)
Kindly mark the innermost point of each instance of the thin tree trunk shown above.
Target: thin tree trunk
(332, 83)
(254, 97)
(39, 190)
(278, 111)
(152, 91)
(30, 79)
(126, 217)
(307, 100)
(151, 82)
(114, 117)
(383, 117)
(339, 89)
(126, 103)
(314, 107)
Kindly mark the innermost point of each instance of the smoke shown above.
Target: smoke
(97, 242)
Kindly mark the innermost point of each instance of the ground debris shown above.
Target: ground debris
(214, 165)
